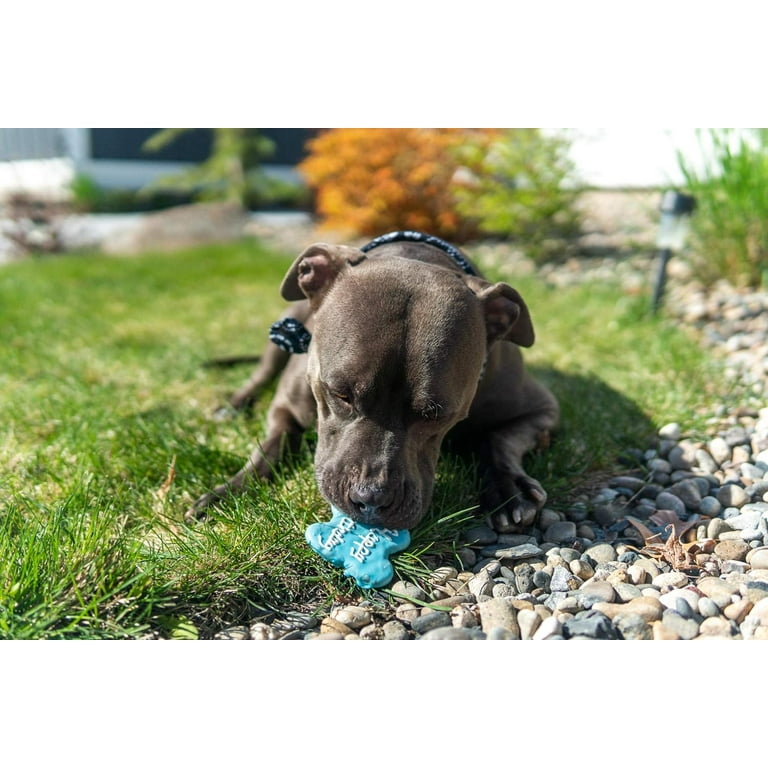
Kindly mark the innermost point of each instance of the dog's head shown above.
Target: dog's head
(397, 351)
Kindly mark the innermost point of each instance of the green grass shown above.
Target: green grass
(107, 434)
(729, 236)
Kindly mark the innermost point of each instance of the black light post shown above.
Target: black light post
(676, 210)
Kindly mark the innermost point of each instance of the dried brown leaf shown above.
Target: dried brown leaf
(162, 492)
(669, 518)
(674, 552)
(648, 536)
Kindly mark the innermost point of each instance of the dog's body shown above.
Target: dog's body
(408, 343)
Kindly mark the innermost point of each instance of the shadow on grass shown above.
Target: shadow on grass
(598, 427)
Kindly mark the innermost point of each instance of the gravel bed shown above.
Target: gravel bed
(731, 322)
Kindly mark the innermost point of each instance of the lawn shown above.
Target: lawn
(107, 433)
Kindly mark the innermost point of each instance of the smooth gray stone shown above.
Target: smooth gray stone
(708, 607)
(688, 491)
(667, 500)
(428, 621)
(630, 626)
(685, 629)
(602, 553)
(590, 624)
(394, 630)
(453, 633)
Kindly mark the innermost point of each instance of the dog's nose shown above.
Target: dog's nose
(368, 498)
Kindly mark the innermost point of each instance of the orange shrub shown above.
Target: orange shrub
(373, 180)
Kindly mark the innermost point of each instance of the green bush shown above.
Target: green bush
(729, 231)
(90, 197)
(522, 187)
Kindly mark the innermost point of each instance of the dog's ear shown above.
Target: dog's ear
(315, 270)
(506, 314)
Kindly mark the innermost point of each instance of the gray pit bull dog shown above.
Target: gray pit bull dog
(408, 343)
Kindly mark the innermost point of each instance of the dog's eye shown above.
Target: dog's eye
(342, 396)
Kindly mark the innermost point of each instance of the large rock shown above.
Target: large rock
(184, 226)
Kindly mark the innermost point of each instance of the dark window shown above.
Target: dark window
(290, 144)
(126, 144)
(193, 146)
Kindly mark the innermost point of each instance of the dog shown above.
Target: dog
(405, 343)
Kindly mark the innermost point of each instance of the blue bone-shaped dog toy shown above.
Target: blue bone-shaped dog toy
(362, 551)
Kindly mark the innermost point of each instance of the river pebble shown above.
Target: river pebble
(630, 626)
(549, 629)
(427, 621)
(395, 630)
(529, 621)
(591, 624)
(758, 558)
(352, 616)
(499, 613)
(716, 627)
(406, 590)
(684, 628)
(453, 633)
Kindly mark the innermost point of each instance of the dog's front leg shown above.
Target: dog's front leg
(291, 413)
(283, 434)
(511, 496)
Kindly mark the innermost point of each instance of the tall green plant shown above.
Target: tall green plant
(729, 231)
(231, 172)
(523, 187)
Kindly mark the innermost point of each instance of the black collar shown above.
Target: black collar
(419, 237)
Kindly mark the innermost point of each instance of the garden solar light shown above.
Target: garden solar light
(676, 210)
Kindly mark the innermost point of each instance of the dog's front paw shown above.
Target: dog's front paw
(198, 512)
(241, 401)
(513, 501)
(224, 413)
